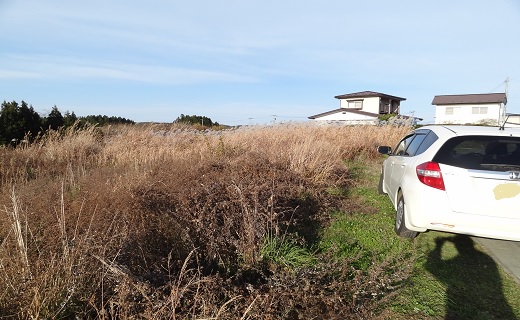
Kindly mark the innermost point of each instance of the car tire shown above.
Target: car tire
(380, 185)
(400, 226)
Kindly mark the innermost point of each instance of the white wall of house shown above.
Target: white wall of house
(467, 113)
(370, 104)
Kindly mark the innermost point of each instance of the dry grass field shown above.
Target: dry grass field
(168, 222)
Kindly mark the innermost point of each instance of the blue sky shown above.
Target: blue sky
(252, 61)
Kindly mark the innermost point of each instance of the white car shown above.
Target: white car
(459, 179)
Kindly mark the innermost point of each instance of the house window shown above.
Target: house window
(355, 104)
(479, 110)
(449, 111)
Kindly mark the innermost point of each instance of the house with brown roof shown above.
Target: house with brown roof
(489, 108)
(361, 108)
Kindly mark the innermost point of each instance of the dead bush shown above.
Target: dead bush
(168, 223)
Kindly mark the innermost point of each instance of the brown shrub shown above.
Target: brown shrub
(166, 222)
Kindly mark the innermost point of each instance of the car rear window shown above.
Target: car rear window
(481, 153)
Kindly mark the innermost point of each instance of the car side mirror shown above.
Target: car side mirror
(384, 149)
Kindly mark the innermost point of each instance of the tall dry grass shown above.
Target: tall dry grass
(163, 221)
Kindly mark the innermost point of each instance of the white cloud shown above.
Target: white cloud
(65, 68)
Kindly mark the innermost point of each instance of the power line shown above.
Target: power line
(506, 82)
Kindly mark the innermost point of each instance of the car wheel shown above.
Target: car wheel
(380, 186)
(400, 226)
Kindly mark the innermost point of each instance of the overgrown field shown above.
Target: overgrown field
(166, 222)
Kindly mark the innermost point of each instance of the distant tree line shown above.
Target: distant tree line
(202, 120)
(20, 121)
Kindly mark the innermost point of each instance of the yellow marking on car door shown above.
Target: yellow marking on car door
(506, 190)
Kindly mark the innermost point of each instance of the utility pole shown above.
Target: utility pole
(503, 115)
(507, 86)
(413, 117)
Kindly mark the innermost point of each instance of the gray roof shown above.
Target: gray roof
(367, 94)
(363, 113)
(470, 99)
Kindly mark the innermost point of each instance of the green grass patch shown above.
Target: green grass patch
(454, 277)
(366, 233)
(286, 252)
(369, 237)
(451, 276)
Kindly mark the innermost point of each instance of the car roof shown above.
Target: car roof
(472, 130)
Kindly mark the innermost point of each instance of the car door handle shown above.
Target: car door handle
(403, 165)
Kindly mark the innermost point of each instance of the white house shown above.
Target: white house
(361, 108)
(487, 108)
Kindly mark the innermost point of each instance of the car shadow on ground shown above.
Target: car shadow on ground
(472, 280)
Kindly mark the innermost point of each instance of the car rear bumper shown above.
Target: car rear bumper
(480, 226)
(432, 212)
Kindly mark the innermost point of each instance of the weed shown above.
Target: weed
(168, 222)
(286, 252)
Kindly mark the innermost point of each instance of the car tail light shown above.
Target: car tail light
(430, 174)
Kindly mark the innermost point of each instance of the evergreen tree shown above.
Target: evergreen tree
(10, 122)
(104, 120)
(202, 120)
(18, 121)
(69, 119)
(31, 119)
(55, 119)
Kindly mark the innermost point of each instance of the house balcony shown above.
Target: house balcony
(387, 107)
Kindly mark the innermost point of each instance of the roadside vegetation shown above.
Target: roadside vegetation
(21, 124)
(258, 222)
